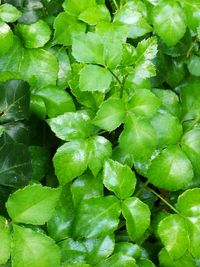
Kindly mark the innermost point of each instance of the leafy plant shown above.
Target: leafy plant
(99, 133)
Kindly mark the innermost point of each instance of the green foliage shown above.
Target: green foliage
(99, 133)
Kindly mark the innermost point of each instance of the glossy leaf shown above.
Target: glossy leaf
(137, 215)
(176, 173)
(95, 14)
(6, 37)
(76, 7)
(118, 259)
(38, 207)
(129, 249)
(119, 179)
(97, 217)
(9, 13)
(193, 65)
(43, 249)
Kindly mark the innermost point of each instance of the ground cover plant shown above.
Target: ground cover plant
(99, 133)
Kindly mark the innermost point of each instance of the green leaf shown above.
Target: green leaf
(70, 161)
(118, 259)
(37, 106)
(95, 78)
(133, 14)
(43, 250)
(72, 125)
(99, 149)
(66, 26)
(72, 251)
(167, 127)
(56, 101)
(34, 35)
(110, 115)
(145, 263)
(40, 158)
(129, 249)
(75, 7)
(169, 21)
(119, 179)
(5, 237)
(178, 243)
(194, 65)
(194, 238)
(34, 204)
(137, 215)
(191, 9)
(97, 217)
(84, 187)
(177, 171)
(14, 100)
(59, 226)
(95, 14)
(9, 13)
(138, 138)
(144, 103)
(99, 249)
(6, 37)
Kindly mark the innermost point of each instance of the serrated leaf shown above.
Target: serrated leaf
(169, 21)
(97, 217)
(178, 243)
(137, 215)
(72, 126)
(95, 78)
(30, 247)
(118, 259)
(34, 35)
(176, 173)
(9, 13)
(119, 179)
(5, 237)
(95, 14)
(84, 187)
(110, 115)
(34, 204)
(70, 161)
(6, 37)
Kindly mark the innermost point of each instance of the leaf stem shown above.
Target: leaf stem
(115, 4)
(166, 202)
(122, 86)
(115, 76)
(139, 192)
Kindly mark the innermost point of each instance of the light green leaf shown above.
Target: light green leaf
(6, 37)
(100, 149)
(118, 259)
(145, 263)
(66, 26)
(95, 78)
(110, 115)
(97, 217)
(191, 9)
(129, 249)
(5, 237)
(176, 173)
(31, 248)
(34, 204)
(37, 106)
(34, 35)
(84, 187)
(70, 161)
(9, 13)
(119, 179)
(133, 14)
(56, 101)
(95, 14)
(169, 21)
(72, 125)
(167, 127)
(194, 65)
(194, 232)
(144, 103)
(178, 243)
(137, 215)
(75, 7)
(99, 248)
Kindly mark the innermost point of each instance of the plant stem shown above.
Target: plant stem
(115, 4)
(166, 202)
(115, 76)
(139, 192)
(122, 86)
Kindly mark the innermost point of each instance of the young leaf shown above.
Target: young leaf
(70, 161)
(178, 243)
(169, 21)
(6, 37)
(95, 14)
(5, 237)
(42, 251)
(110, 115)
(176, 173)
(34, 204)
(118, 259)
(137, 215)
(34, 35)
(72, 125)
(9, 13)
(194, 232)
(97, 216)
(119, 179)
(95, 78)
